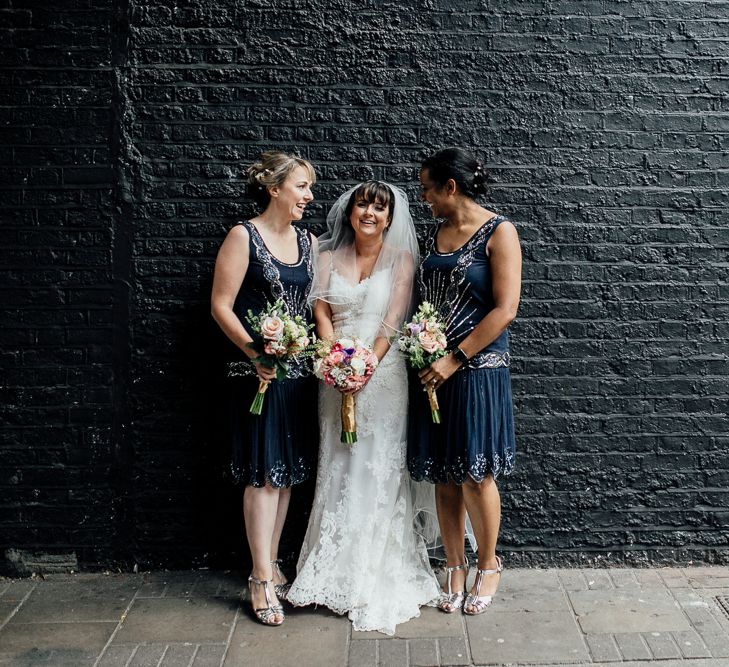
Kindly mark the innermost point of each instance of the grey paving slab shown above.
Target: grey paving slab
(363, 653)
(178, 655)
(148, 655)
(17, 590)
(527, 581)
(572, 580)
(691, 645)
(621, 611)
(598, 580)
(423, 652)
(707, 577)
(116, 656)
(674, 577)
(308, 637)
(17, 639)
(718, 644)
(624, 579)
(391, 652)
(51, 658)
(513, 637)
(453, 651)
(431, 623)
(171, 620)
(648, 579)
(209, 655)
(603, 647)
(661, 645)
(632, 646)
(104, 599)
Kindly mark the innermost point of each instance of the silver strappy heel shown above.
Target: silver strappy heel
(479, 603)
(265, 614)
(282, 590)
(450, 601)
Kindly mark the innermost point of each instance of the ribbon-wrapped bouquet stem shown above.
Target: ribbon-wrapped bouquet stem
(283, 339)
(423, 341)
(345, 363)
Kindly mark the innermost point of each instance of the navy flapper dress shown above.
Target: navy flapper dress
(476, 436)
(279, 446)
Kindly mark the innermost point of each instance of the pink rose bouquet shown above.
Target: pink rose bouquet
(283, 338)
(346, 363)
(423, 341)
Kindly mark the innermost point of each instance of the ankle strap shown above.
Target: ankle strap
(260, 582)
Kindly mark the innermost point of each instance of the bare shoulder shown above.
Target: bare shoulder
(504, 238)
(238, 234)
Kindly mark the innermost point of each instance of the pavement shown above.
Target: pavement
(671, 617)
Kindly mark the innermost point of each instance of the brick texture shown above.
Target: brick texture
(127, 129)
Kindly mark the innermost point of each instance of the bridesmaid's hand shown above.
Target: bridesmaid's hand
(439, 371)
(265, 373)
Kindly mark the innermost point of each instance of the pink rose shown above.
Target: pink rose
(272, 328)
(336, 357)
(428, 341)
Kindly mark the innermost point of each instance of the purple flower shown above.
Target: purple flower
(414, 328)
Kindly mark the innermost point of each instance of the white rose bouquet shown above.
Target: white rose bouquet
(423, 341)
(283, 338)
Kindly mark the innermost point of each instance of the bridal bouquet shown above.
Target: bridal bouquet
(345, 363)
(283, 339)
(423, 341)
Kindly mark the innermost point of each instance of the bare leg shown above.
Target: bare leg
(452, 520)
(284, 496)
(484, 509)
(260, 507)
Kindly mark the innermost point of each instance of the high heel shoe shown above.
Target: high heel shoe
(450, 601)
(477, 602)
(265, 614)
(282, 590)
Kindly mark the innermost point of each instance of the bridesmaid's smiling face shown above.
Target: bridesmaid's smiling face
(369, 219)
(434, 195)
(294, 193)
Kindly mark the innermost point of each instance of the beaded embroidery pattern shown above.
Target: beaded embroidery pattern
(295, 300)
(443, 290)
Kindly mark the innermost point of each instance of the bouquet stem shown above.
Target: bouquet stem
(434, 407)
(257, 406)
(349, 424)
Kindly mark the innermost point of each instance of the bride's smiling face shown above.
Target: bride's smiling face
(370, 211)
(369, 220)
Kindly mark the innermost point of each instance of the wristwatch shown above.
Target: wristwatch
(460, 355)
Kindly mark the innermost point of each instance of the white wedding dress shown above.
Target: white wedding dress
(361, 554)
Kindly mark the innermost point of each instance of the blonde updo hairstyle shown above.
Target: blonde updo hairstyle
(271, 170)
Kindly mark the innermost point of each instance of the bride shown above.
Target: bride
(361, 555)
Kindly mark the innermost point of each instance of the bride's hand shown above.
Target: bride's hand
(439, 371)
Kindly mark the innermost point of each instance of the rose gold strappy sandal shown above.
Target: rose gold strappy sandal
(450, 601)
(479, 603)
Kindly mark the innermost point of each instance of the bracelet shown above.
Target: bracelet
(459, 355)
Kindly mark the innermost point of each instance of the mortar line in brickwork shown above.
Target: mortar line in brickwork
(122, 618)
(229, 639)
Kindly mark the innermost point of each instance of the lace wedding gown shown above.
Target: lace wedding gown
(361, 555)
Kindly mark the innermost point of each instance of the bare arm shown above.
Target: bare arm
(505, 257)
(322, 310)
(402, 291)
(231, 266)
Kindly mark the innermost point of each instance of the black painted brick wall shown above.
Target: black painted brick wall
(605, 126)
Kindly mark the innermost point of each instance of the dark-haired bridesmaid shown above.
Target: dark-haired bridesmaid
(471, 272)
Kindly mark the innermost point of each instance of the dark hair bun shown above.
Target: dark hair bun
(460, 165)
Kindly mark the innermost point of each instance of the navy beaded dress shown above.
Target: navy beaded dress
(279, 446)
(476, 436)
